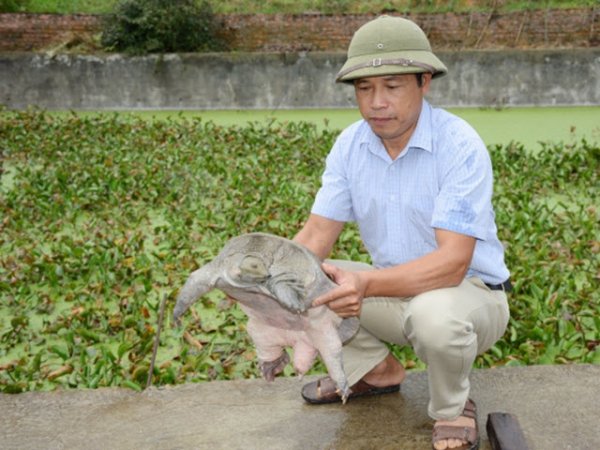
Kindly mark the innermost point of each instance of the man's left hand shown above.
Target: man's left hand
(346, 299)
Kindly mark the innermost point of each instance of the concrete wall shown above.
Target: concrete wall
(285, 80)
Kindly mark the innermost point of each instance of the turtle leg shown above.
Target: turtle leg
(324, 336)
(271, 368)
(305, 353)
(287, 288)
(270, 348)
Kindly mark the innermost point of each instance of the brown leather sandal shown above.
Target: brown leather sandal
(325, 391)
(470, 435)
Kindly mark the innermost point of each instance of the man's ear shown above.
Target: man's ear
(426, 82)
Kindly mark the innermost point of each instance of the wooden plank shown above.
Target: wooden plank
(504, 432)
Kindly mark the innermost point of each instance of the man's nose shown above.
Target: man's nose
(379, 99)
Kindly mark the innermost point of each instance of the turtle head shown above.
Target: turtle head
(253, 269)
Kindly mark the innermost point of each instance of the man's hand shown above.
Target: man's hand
(346, 299)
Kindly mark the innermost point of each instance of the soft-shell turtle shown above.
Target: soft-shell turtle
(275, 280)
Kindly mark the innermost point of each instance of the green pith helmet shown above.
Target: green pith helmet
(388, 46)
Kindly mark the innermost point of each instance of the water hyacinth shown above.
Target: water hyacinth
(102, 215)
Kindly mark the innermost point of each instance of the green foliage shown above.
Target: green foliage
(322, 6)
(103, 215)
(548, 209)
(139, 27)
(9, 6)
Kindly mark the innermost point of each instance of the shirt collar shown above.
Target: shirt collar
(420, 139)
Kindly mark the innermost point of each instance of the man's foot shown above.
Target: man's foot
(459, 434)
(388, 372)
(382, 379)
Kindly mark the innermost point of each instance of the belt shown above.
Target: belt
(506, 286)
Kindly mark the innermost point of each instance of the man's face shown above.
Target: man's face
(391, 105)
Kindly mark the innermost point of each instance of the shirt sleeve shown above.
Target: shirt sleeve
(333, 199)
(463, 204)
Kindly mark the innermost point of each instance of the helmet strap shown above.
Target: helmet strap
(388, 62)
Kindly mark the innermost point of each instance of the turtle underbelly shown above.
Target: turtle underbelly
(268, 310)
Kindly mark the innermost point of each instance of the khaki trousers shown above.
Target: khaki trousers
(447, 328)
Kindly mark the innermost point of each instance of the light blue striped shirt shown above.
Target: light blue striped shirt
(443, 179)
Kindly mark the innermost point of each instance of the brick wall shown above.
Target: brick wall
(451, 31)
(29, 32)
(318, 32)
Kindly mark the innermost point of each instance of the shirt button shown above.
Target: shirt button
(392, 167)
(393, 198)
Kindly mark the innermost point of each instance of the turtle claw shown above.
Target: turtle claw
(341, 394)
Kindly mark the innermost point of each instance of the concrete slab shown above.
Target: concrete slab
(558, 407)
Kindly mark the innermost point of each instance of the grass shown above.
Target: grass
(103, 215)
(324, 6)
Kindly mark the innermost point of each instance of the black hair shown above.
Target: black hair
(419, 79)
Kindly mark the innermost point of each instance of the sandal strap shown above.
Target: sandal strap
(470, 410)
(468, 434)
(362, 386)
(444, 432)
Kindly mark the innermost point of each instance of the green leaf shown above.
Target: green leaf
(131, 385)
(60, 351)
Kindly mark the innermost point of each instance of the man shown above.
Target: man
(418, 181)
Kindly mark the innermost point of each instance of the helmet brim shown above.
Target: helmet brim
(420, 58)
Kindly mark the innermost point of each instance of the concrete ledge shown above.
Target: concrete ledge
(558, 407)
(285, 80)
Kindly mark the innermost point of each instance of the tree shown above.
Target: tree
(138, 27)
